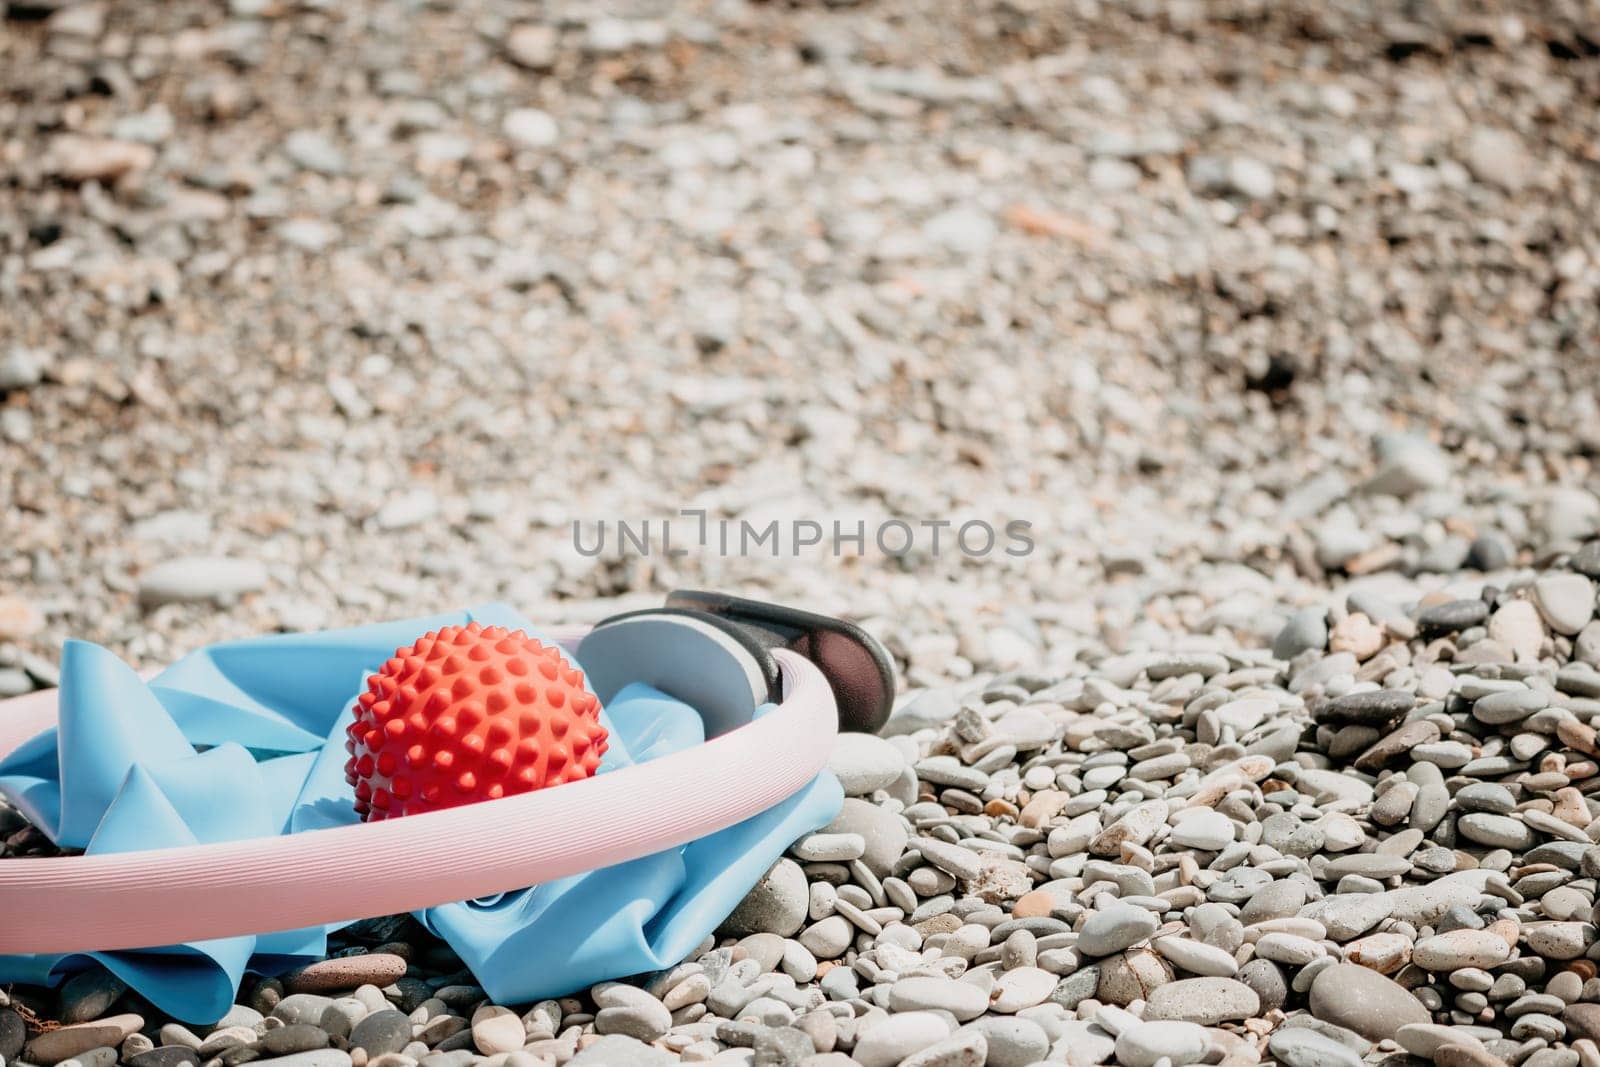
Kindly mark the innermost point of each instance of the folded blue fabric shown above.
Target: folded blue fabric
(246, 739)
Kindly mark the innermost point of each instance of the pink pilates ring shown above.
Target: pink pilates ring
(168, 896)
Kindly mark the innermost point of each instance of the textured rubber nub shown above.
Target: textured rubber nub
(470, 713)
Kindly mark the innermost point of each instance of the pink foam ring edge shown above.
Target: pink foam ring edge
(170, 896)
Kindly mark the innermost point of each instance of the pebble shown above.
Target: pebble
(616, 1050)
(1451, 617)
(1305, 630)
(1496, 831)
(1115, 928)
(1020, 988)
(889, 1041)
(962, 1050)
(296, 1037)
(1207, 830)
(345, 972)
(961, 863)
(53, 1046)
(1207, 1001)
(827, 939)
(1196, 957)
(496, 1029)
(1148, 1043)
(778, 904)
(883, 831)
(200, 578)
(1299, 1047)
(529, 127)
(382, 1032)
(1518, 626)
(1364, 1001)
(167, 1056)
(865, 764)
(1011, 1042)
(1460, 948)
(927, 993)
(1566, 601)
(13, 1034)
(89, 995)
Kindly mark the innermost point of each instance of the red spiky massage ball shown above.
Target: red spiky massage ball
(470, 713)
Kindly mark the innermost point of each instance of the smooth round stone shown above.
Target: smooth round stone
(89, 995)
(1518, 627)
(1115, 928)
(829, 848)
(1305, 629)
(1451, 617)
(296, 1037)
(865, 763)
(930, 993)
(322, 1057)
(1130, 976)
(1368, 865)
(178, 1034)
(1197, 957)
(1289, 949)
(776, 905)
(1279, 900)
(1298, 1046)
(200, 578)
(345, 972)
(883, 831)
(886, 1042)
(95, 1057)
(1207, 830)
(1213, 924)
(1583, 1020)
(1372, 707)
(1207, 1001)
(1425, 1039)
(1384, 953)
(1349, 915)
(165, 1056)
(1391, 747)
(1027, 728)
(828, 938)
(1560, 940)
(1566, 986)
(1457, 1055)
(52, 1047)
(1021, 987)
(1145, 1044)
(1266, 980)
(949, 771)
(1460, 948)
(1011, 1042)
(961, 863)
(613, 1050)
(1566, 601)
(959, 1050)
(382, 1032)
(1508, 706)
(1488, 797)
(302, 1008)
(643, 1019)
(13, 1034)
(496, 1029)
(1365, 1001)
(1496, 831)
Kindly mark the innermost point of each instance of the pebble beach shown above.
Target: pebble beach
(1277, 324)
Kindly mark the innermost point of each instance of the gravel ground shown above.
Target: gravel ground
(1278, 323)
